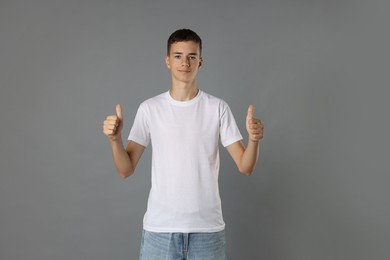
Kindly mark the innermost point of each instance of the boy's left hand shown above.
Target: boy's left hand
(254, 126)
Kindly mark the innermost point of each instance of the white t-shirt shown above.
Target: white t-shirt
(184, 195)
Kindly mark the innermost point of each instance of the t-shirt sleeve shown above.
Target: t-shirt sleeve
(229, 131)
(140, 132)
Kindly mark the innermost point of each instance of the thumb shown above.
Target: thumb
(251, 109)
(118, 109)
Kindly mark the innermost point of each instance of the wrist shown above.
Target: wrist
(116, 139)
(254, 142)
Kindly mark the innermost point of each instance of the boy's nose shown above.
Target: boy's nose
(185, 62)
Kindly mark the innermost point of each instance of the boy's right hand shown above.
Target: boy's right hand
(112, 126)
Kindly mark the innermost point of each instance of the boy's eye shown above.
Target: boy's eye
(178, 57)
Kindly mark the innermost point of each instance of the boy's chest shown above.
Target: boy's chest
(185, 123)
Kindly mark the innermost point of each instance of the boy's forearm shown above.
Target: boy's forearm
(121, 158)
(249, 158)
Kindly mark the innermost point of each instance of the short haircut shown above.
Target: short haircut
(184, 35)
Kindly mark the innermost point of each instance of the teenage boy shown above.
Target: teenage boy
(184, 125)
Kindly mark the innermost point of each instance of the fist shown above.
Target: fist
(254, 126)
(112, 126)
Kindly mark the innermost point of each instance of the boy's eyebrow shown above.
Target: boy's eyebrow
(192, 53)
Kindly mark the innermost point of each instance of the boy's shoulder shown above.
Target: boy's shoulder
(154, 100)
(215, 100)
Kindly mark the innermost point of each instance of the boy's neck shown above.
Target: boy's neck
(183, 92)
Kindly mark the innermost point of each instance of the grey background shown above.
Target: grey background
(316, 71)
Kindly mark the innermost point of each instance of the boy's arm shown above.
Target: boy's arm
(127, 159)
(246, 158)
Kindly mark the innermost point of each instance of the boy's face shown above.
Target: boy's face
(184, 60)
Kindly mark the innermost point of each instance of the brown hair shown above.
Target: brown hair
(184, 35)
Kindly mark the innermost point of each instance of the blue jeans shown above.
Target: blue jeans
(180, 246)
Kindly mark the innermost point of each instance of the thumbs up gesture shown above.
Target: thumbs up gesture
(254, 126)
(112, 126)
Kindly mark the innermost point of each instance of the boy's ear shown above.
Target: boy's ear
(200, 62)
(167, 62)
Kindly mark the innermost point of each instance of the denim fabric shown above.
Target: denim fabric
(180, 246)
